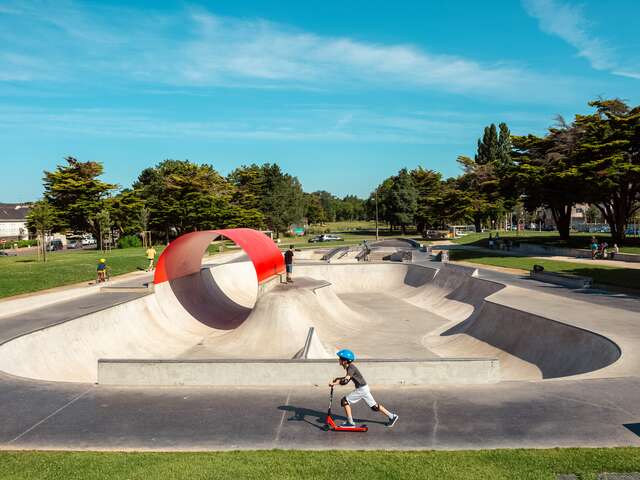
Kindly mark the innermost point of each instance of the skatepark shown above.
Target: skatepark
(541, 362)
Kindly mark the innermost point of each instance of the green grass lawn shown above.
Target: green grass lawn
(576, 240)
(317, 465)
(24, 273)
(621, 277)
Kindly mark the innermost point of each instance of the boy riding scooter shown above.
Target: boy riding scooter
(346, 358)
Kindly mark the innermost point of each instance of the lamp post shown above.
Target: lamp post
(376, 196)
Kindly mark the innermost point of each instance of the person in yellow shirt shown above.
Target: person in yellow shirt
(151, 256)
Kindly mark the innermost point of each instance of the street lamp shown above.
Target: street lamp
(376, 196)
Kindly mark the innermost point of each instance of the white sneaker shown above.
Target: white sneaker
(393, 420)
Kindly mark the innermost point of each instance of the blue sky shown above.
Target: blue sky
(340, 94)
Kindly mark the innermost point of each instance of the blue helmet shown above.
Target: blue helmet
(346, 354)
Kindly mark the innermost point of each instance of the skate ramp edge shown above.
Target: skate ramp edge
(249, 372)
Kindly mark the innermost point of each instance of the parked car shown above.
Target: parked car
(74, 244)
(55, 244)
(325, 238)
(88, 241)
(5, 253)
(434, 235)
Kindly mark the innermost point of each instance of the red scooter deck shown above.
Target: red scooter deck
(330, 425)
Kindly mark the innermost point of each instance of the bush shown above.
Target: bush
(129, 241)
(21, 244)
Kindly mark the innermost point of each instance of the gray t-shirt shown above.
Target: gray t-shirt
(356, 376)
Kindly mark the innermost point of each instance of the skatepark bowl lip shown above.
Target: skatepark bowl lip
(464, 313)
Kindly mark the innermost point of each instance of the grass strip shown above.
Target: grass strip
(24, 273)
(521, 464)
(621, 277)
(552, 239)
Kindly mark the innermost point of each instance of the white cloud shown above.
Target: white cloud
(325, 125)
(569, 23)
(194, 48)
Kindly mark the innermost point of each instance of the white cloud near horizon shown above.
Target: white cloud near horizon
(197, 49)
(569, 23)
(326, 125)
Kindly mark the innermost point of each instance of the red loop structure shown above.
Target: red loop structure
(183, 256)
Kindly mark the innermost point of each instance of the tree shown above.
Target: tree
(479, 181)
(249, 183)
(124, 210)
(593, 214)
(77, 194)
(328, 203)
(455, 204)
(608, 161)
(41, 219)
(402, 200)
(351, 208)
(104, 224)
(314, 212)
(486, 176)
(545, 173)
(182, 196)
(428, 185)
(282, 201)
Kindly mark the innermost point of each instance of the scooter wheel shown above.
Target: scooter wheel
(326, 428)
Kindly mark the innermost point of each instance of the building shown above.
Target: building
(578, 216)
(13, 221)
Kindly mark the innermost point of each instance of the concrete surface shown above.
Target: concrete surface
(597, 408)
(590, 413)
(380, 310)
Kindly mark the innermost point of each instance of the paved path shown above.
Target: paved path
(45, 415)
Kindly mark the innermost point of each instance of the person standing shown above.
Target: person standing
(288, 263)
(151, 256)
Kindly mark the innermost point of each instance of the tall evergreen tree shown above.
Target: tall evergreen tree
(77, 194)
(488, 148)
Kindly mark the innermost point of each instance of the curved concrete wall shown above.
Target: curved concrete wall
(527, 345)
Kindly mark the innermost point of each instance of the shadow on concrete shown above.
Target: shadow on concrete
(318, 417)
(203, 298)
(633, 428)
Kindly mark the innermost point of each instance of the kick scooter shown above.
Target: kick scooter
(331, 425)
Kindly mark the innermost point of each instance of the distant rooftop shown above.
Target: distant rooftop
(14, 212)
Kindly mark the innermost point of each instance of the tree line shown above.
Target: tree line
(179, 196)
(593, 159)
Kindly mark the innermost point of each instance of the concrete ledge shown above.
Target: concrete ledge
(571, 281)
(148, 289)
(440, 371)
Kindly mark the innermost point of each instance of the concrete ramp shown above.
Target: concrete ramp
(384, 311)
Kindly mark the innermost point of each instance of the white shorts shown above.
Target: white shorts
(360, 394)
